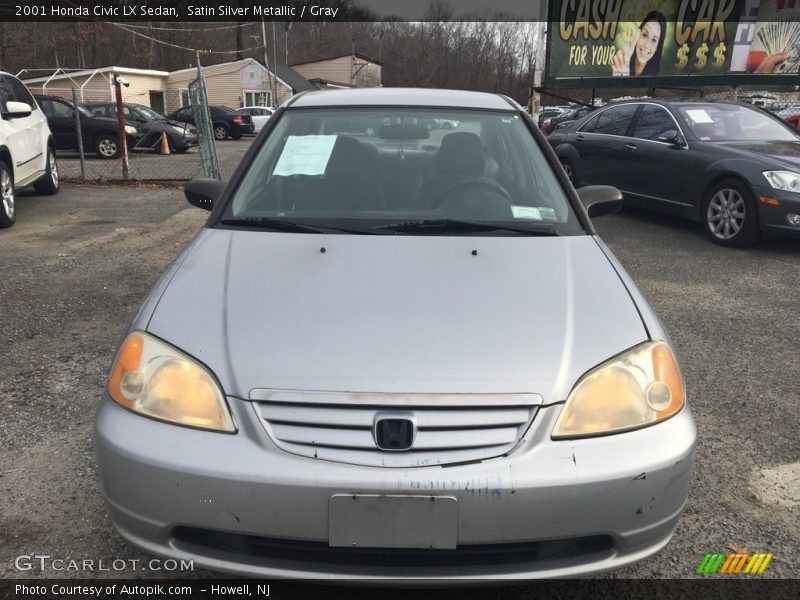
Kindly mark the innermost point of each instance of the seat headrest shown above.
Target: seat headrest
(460, 152)
(347, 157)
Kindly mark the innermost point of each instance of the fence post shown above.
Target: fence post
(78, 129)
(123, 137)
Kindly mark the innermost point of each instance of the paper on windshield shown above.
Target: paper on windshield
(305, 155)
(698, 115)
(526, 212)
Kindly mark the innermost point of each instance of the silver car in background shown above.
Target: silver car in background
(404, 356)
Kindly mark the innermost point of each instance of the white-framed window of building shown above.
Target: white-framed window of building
(184, 97)
(256, 98)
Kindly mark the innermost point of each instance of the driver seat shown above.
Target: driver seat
(460, 158)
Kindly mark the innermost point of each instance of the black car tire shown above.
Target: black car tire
(730, 215)
(569, 169)
(220, 131)
(107, 146)
(48, 184)
(8, 210)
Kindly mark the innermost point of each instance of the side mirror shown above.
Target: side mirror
(16, 110)
(599, 200)
(671, 136)
(203, 193)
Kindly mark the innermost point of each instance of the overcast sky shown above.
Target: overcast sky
(413, 10)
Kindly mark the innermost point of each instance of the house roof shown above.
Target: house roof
(319, 81)
(357, 55)
(293, 79)
(83, 72)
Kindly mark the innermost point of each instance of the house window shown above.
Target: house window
(256, 98)
(184, 97)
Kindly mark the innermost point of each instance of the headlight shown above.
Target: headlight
(784, 180)
(131, 129)
(180, 130)
(635, 389)
(157, 380)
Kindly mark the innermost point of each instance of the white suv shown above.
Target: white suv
(27, 151)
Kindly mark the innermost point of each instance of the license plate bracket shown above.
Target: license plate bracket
(392, 521)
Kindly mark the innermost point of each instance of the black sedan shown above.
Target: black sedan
(226, 123)
(731, 166)
(560, 121)
(180, 136)
(100, 135)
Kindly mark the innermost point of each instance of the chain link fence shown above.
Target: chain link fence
(161, 152)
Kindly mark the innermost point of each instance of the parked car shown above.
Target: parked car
(731, 166)
(180, 136)
(572, 115)
(413, 359)
(226, 122)
(99, 135)
(793, 121)
(258, 114)
(27, 150)
(548, 113)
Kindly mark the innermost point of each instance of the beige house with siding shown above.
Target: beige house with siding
(235, 84)
(96, 85)
(239, 83)
(351, 70)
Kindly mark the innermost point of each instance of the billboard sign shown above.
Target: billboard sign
(600, 43)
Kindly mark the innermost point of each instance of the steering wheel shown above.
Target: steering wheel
(476, 183)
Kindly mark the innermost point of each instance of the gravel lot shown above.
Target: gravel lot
(77, 265)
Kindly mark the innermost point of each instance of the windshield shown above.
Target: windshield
(366, 169)
(732, 123)
(148, 113)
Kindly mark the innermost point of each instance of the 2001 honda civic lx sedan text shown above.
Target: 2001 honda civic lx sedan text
(397, 356)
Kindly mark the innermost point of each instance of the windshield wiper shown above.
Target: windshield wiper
(284, 225)
(462, 226)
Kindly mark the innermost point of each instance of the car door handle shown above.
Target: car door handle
(579, 138)
(630, 147)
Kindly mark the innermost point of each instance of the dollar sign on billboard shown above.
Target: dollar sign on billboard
(683, 56)
(701, 56)
(719, 55)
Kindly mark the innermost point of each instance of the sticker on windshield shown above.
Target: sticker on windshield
(526, 212)
(305, 155)
(698, 115)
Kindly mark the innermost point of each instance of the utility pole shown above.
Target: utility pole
(123, 137)
(271, 74)
(274, 63)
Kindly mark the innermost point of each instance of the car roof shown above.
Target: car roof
(402, 97)
(677, 102)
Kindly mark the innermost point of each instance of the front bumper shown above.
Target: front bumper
(550, 509)
(773, 218)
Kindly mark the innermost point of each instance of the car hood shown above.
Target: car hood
(786, 154)
(397, 314)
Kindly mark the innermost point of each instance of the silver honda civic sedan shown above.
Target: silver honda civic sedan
(397, 353)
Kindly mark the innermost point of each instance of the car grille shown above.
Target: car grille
(478, 559)
(451, 428)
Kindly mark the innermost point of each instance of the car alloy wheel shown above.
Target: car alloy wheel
(107, 147)
(569, 171)
(730, 214)
(47, 185)
(7, 193)
(220, 132)
(8, 214)
(51, 159)
(726, 213)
